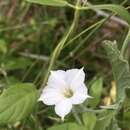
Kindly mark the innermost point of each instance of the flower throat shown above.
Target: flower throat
(68, 93)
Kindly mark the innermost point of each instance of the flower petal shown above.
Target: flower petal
(56, 79)
(63, 108)
(50, 96)
(75, 77)
(78, 98)
(82, 88)
(80, 95)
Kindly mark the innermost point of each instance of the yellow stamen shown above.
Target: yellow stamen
(68, 93)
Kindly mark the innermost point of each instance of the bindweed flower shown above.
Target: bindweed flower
(65, 89)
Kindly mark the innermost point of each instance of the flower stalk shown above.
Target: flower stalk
(61, 44)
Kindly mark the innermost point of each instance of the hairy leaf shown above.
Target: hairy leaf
(17, 102)
(120, 68)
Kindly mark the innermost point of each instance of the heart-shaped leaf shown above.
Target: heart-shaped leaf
(17, 102)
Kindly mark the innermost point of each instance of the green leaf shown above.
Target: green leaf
(16, 63)
(67, 126)
(124, 117)
(104, 119)
(120, 68)
(17, 102)
(118, 9)
(114, 126)
(89, 120)
(95, 92)
(49, 2)
(3, 46)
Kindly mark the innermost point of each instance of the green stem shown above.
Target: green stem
(83, 32)
(61, 44)
(118, 9)
(95, 27)
(125, 44)
(89, 35)
(76, 116)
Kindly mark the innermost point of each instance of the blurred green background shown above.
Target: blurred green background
(30, 32)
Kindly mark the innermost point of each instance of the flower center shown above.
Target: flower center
(68, 93)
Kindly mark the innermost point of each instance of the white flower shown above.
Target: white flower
(64, 89)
